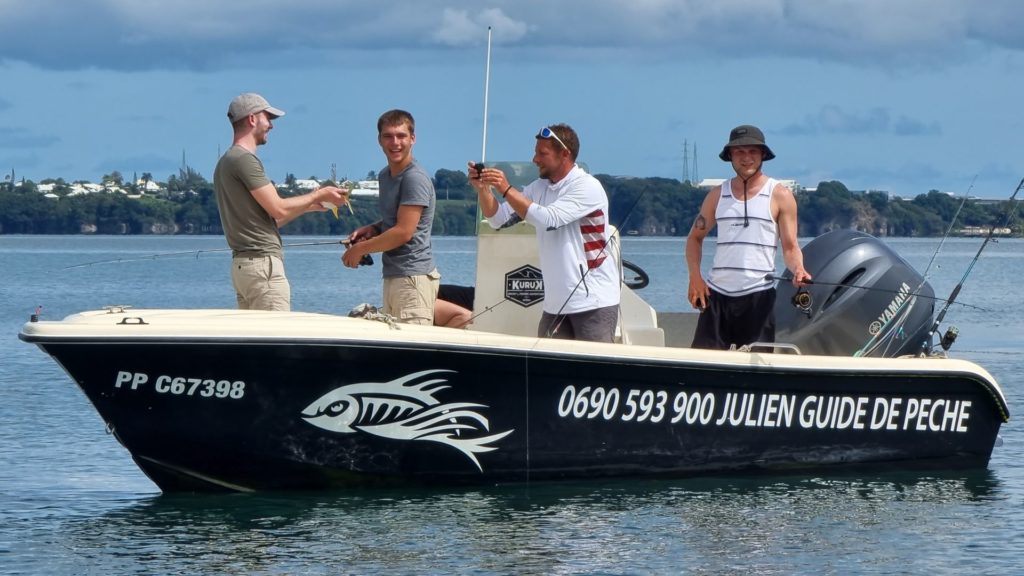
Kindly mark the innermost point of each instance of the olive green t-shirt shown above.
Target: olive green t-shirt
(247, 226)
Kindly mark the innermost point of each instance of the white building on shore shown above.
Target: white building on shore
(709, 183)
(366, 188)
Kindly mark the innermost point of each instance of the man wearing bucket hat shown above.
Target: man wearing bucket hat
(753, 213)
(251, 211)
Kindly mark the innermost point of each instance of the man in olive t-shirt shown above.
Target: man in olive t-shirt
(251, 211)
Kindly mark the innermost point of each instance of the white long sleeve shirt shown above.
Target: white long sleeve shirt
(571, 221)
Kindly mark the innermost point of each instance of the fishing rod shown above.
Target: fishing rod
(479, 166)
(558, 315)
(1011, 209)
(344, 242)
(485, 310)
(804, 297)
(872, 342)
(487, 89)
(948, 230)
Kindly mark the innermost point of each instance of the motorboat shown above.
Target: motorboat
(214, 400)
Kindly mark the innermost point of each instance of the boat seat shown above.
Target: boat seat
(638, 321)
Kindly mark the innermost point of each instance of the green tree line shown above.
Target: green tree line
(644, 206)
(665, 207)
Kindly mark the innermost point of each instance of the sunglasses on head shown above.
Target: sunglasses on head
(546, 133)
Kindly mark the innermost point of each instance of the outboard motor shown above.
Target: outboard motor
(864, 300)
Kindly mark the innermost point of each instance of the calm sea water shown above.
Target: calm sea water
(72, 501)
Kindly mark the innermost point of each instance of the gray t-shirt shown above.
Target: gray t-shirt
(411, 187)
(247, 226)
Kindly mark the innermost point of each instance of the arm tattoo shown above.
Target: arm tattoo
(700, 223)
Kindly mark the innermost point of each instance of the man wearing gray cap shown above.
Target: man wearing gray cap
(251, 211)
(753, 212)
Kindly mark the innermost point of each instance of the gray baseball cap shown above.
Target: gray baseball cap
(250, 103)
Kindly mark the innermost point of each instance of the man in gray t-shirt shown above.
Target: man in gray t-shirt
(406, 204)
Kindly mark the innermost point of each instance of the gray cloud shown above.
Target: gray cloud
(462, 28)
(996, 22)
(904, 126)
(20, 138)
(205, 35)
(834, 120)
(151, 163)
(909, 172)
(905, 178)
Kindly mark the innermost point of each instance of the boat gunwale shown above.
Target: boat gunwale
(84, 329)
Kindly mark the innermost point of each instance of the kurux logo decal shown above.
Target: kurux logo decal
(402, 410)
(525, 285)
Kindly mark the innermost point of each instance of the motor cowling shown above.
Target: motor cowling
(865, 300)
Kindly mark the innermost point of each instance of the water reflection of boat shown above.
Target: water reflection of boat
(249, 400)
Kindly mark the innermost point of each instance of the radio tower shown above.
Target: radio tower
(696, 178)
(686, 161)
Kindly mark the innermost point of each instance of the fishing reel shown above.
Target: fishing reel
(366, 260)
(802, 301)
(949, 337)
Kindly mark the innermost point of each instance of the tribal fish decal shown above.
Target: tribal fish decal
(399, 411)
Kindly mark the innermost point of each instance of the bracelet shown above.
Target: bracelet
(505, 193)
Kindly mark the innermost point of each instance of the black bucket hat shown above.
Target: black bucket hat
(746, 135)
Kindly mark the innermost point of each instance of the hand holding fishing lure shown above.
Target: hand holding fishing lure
(346, 193)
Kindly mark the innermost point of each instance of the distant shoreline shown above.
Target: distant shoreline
(651, 207)
(308, 235)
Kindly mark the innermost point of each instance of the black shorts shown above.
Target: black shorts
(736, 320)
(460, 295)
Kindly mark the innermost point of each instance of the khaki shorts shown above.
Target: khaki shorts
(410, 299)
(260, 283)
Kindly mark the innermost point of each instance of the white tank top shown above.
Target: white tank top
(744, 255)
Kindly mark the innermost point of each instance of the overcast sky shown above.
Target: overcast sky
(898, 95)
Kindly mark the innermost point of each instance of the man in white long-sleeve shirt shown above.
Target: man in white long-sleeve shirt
(569, 210)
